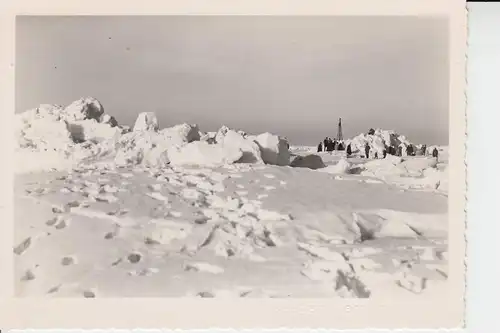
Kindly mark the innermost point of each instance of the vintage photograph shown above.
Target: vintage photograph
(231, 156)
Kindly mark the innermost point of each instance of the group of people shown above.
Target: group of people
(330, 145)
(402, 150)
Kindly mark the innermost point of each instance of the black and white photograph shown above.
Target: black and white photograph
(232, 156)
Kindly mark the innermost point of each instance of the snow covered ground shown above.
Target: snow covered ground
(248, 227)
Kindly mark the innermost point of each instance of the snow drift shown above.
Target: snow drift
(204, 154)
(146, 121)
(208, 203)
(82, 132)
(58, 134)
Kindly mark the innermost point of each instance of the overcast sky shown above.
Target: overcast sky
(293, 76)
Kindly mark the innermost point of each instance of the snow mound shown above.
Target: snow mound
(146, 121)
(221, 133)
(413, 167)
(233, 140)
(150, 148)
(383, 168)
(201, 153)
(342, 167)
(208, 137)
(393, 159)
(44, 134)
(109, 120)
(91, 129)
(274, 149)
(377, 142)
(418, 165)
(309, 161)
(58, 137)
(182, 133)
(83, 109)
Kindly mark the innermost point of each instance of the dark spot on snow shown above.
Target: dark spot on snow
(23, 246)
(366, 234)
(201, 220)
(52, 221)
(28, 276)
(57, 210)
(134, 258)
(66, 261)
(88, 294)
(61, 225)
(54, 289)
(116, 262)
(205, 294)
(149, 241)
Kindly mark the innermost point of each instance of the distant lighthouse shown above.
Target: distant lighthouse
(340, 137)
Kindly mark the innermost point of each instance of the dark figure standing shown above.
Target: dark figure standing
(320, 148)
(329, 146)
(400, 151)
(424, 150)
(325, 144)
(409, 150)
(385, 152)
(367, 150)
(435, 153)
(393, 150)
(348, 150)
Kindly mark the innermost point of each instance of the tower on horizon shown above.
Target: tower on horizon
(340, 137)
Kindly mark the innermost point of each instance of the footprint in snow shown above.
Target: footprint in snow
(65, 208)
(89, 294)
(108, 198)
(68, 261)
(54, 289)
(134, 258)
(155, 187)
(59, 209)
(28, 276)
(52, 221)
(116, 262)
(205, 294)
(63, 223)
(112, 234)
(110, 188)
(23, 246)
